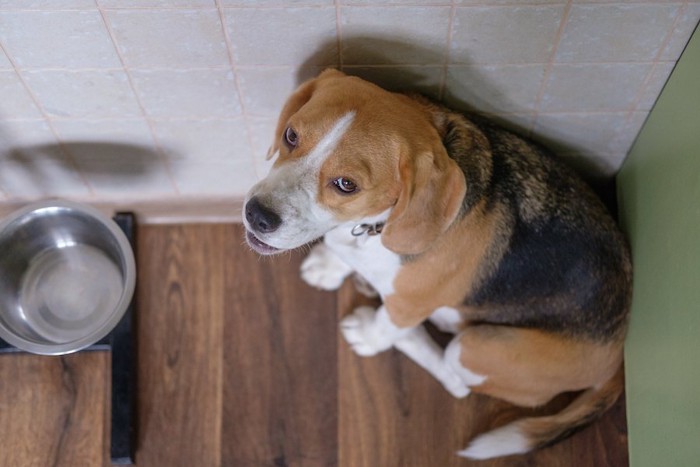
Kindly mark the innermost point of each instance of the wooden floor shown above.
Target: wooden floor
(241, 364)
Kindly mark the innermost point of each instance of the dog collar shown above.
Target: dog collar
(369, 229)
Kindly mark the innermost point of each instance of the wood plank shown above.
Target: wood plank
(180, 329)
(241, 364)
(393, 413)
(53, 410)
(280, 392)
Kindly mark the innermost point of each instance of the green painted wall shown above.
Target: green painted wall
(659, 196)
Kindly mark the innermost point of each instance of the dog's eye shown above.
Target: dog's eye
(345, 185)
(291, 137)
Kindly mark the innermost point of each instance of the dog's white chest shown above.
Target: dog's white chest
(366, 255)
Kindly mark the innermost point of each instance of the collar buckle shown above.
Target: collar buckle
(369, 229)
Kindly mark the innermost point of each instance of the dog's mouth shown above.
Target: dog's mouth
(259, 246)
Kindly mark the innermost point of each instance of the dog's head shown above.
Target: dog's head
(347, 152)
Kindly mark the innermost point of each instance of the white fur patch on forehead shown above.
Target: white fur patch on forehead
(291, 191)
(329, 141)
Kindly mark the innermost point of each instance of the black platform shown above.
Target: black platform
(121, 343)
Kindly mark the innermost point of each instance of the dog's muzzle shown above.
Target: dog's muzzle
(260, 220)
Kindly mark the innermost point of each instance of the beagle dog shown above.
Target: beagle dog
(459, 222)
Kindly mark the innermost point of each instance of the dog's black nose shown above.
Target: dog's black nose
(260, 218)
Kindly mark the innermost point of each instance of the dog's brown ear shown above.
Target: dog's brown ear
(296, 101)
(432, 191)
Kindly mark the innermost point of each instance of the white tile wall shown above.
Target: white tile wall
(187, 93)
(38, 39)
(174, 101)
(505, 34)
(169, 38)
(16, 101)
(82, 93)
(282, 36)
(128, 168)
(414, 35)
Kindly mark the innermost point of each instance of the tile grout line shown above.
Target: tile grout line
(159, 8)
(632, 110)
(341, 65)
(448, 53)
(359, 65)
(47, 120)
(137, 118)
(549, 66)
(187, 118)
(165, 160)
(513, 3)
(339, 35)
(237, 83)
(4, 193)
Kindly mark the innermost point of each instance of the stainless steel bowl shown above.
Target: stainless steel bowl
(67, 275)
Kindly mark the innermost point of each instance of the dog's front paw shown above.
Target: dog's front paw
(361, 333)
(455, 385)
(323, 269)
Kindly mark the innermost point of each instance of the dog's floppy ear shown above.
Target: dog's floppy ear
(432, 191)
(295, 102)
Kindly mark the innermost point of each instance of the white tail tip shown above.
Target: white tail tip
(503, 441)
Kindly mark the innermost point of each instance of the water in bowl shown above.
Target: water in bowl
(64, 290)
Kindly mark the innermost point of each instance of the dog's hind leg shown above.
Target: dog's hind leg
(529, 367)
(424, 351)
(447, 319)
(369, 332)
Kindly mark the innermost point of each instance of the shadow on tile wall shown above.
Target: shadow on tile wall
(377, 59)
(77, 168)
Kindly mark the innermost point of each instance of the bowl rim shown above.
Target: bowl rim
(118, 311)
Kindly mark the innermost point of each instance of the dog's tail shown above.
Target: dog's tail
(527, 434)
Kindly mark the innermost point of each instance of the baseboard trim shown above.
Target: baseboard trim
(166, 211)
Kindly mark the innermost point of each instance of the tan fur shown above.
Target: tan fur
(543, 431)
(439, 276)
(432, 189)
(371, 152)
(300, 97)
(426, 196)
(396, 151)
(379, 186)
(528, 367)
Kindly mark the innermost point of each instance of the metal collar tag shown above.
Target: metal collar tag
(369, 229)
